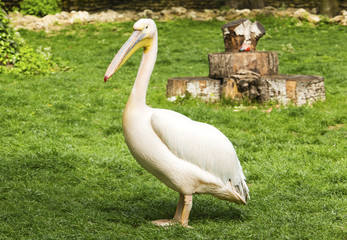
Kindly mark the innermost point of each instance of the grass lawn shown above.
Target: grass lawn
(66, 172)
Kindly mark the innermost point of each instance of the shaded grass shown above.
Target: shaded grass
(65, 171)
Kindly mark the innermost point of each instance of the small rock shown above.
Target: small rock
(191, 15)
(166, 15)
(301, 14)
(313, 18)
(336, 19)
(243, 11)
(147, 13)
(339, 19)
(110, 15)
(31, 18)
(216, 11)
(209, 14)
(178, 10)
(156, 16)
(232, 16)
(62, 15)
(50, 19)
(231, 11)
(220, 18)
(284, 13)
(80, 16)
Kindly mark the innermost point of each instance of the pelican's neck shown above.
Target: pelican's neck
(138, 93)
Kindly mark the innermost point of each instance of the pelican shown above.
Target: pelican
(189, 157)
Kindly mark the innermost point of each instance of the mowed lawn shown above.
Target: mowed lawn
(66, 172)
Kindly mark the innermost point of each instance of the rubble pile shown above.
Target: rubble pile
(59, 20)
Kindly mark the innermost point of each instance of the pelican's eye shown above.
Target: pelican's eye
(146, 27)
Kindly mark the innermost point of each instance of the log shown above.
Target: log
(202, 87)
(224, 65)
(230, 89)
(241, 86)
(298, 89)
(242, 35)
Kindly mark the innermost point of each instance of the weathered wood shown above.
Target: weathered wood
(202, 87)
(247, 75)
(285, 89)
(241, 86)
(230, 89)
(329, 7)
(224, 65)
(298, 89)
(242, 35)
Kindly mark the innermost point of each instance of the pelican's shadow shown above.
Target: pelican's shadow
(136, 209)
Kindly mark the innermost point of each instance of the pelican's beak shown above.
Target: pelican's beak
(137, 40)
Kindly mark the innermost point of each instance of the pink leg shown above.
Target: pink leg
(184, 206)
(188, 203)
(179, 209)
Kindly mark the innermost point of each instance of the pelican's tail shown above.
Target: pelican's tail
(237, 193)
(242, 191)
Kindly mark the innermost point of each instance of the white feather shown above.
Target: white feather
(199, 143)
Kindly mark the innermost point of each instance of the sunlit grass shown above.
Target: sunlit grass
(65, 171)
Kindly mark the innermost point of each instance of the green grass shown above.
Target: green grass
(66, 173)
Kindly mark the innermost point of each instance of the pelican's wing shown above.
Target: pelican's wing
(198, 143)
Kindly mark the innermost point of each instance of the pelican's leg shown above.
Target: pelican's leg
(188, 203)
(182, 213)
(179, 209)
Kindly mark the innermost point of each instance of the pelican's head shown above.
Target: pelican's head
(144, 32)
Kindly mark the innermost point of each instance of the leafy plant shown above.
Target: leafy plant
(9, 41)
(16, 56)
(34, 62)
(40, 8)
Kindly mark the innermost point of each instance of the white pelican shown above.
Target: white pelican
(188, 156)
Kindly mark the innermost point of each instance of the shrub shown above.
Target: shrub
(34, 62)
(16, 56)
(9, 40)
(40, 8)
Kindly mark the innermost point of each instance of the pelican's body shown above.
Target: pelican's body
(188, 156)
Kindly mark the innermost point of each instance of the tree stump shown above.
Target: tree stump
(329, 7)
(243, 85)
(230, 89)
(224, 65)
(242, 35)
(247, 74)
(203, 87)
(298, 89)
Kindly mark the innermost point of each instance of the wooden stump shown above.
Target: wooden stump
(241, 86)
(224, 65)
(202, 87)
(230, 89)
(298, 89)
(242, 32)
(243, 73)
